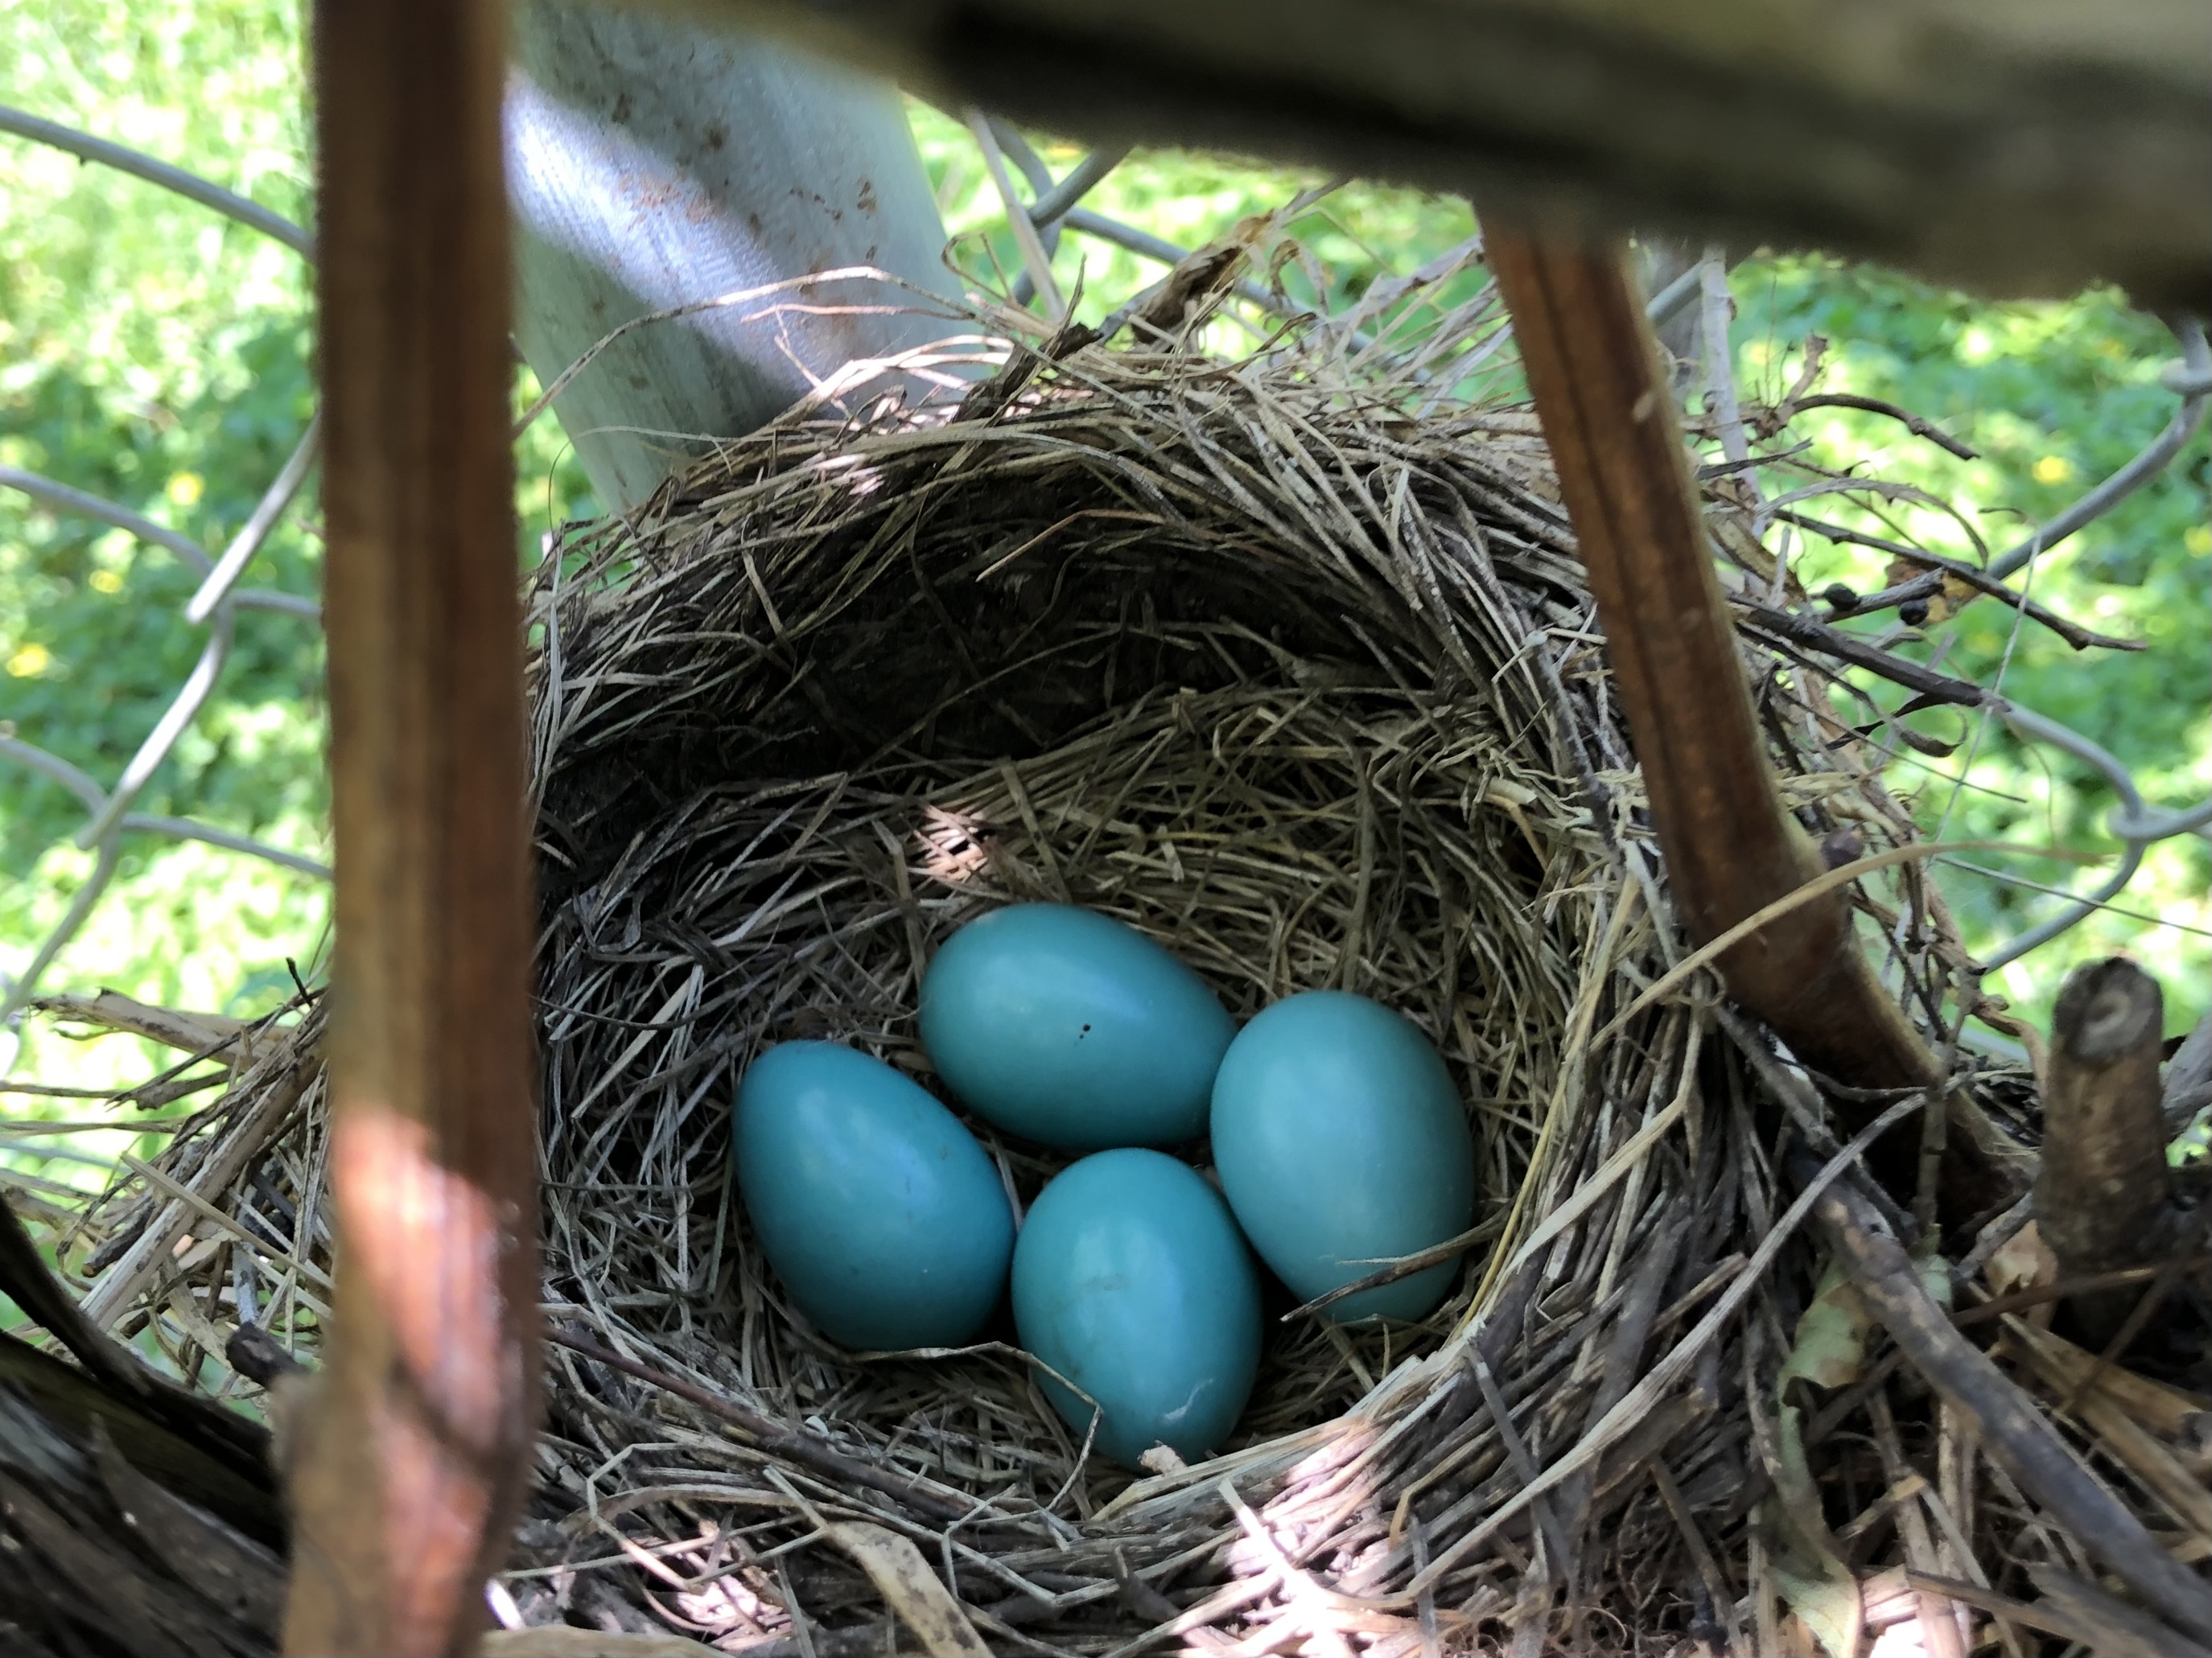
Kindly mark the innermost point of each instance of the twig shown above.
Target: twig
(2040, 1294)
(1034, 258)
(1524, 1466)
(1804, 630)
(1912, 423)
(1402, 1267)
(2053, 1617)
(2148, 465)
(2016, 1435)
(1973, 575)
(772, 1435)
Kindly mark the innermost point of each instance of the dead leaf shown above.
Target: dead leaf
(1946, 602)
(1805, 1564)
(911, 1589)
(2024, 1261)
(1828, 1350)
(1830, 1347)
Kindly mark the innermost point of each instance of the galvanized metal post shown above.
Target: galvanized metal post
(655, 161)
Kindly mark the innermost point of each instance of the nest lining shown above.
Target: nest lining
(1310, 692)
(1270, 762)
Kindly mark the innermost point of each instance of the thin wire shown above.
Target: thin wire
(2194, 383)
(214, 604)
(60, 497)
(267, 513)
(198, 686)
(2012, 880)
(16, 992)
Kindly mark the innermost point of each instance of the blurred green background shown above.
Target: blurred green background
(153, 354)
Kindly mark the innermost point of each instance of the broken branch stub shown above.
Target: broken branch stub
(2003, 1420)
(2101, 1196)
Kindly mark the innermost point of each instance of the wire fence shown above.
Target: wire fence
(1051, 208)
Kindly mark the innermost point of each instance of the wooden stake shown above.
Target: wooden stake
(413, 1462)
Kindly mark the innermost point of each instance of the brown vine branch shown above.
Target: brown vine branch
(417, 1452)
(1731, 850)
(1904, 417)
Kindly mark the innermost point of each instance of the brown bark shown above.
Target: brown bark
(416, 1457)
(2021, 150)
(2101, 1198)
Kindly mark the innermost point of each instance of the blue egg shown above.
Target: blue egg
(1071, 1029)
(887, 1223)
(1132, 1281)
(1342, 1145)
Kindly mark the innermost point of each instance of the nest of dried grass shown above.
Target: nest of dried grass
(1309, 689)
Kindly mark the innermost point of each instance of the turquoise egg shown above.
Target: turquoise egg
(1067, 1027)
(1132, 1281)
(887, 1223)
(1342, 1144)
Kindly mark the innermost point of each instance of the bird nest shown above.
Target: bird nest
(1304, 682)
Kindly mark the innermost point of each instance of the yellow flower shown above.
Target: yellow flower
(106, 581)
(2198, 541)
(186, 488)
(2053, 469)
(29, 662)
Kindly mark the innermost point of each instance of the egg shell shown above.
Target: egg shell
(886, 1221)
(1342, 1144)
(1067, 1028)
(1131, 1280)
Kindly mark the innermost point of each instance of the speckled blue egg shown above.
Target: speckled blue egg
(1342, 1145)
(1067, 1028)
(886, 1221)
(1132, 1281)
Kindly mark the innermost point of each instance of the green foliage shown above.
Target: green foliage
(1190, 197)
(155, 353)
(2055, 396)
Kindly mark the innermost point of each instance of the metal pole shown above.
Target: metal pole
(653, 161)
